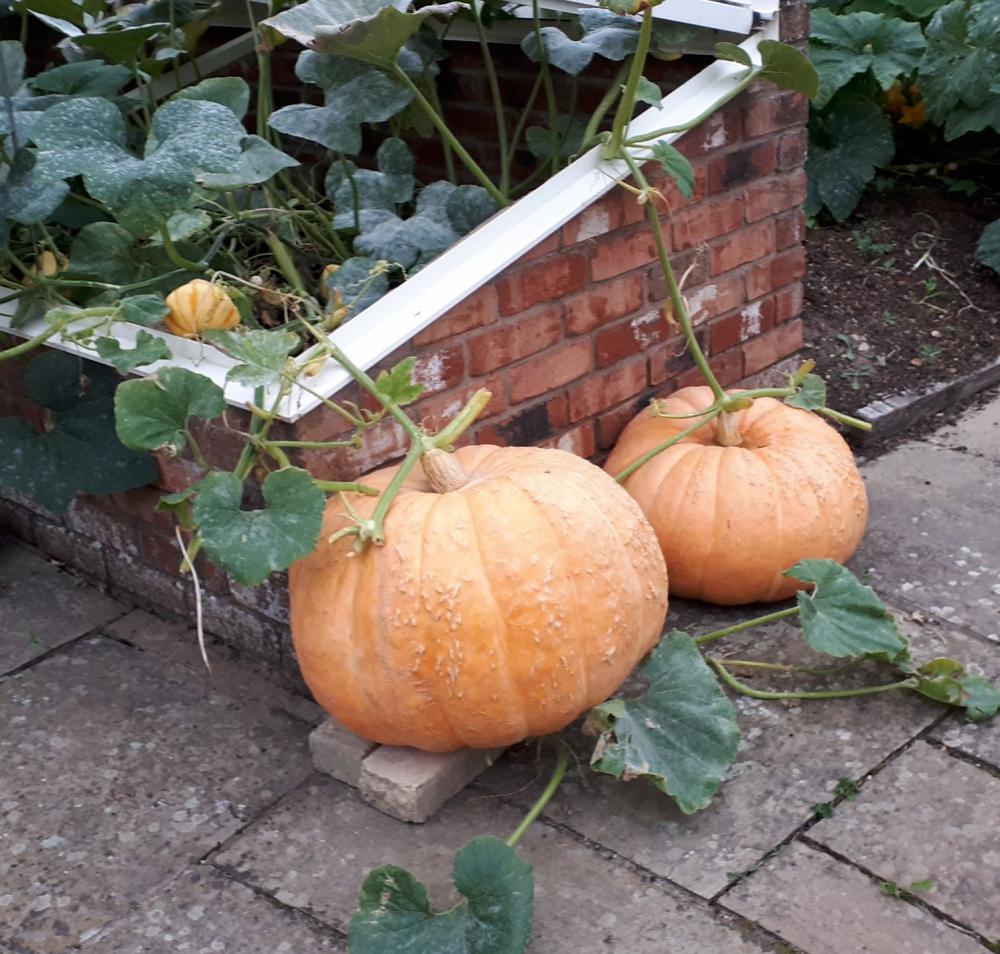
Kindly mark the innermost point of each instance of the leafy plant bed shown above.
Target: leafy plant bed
(897, 305)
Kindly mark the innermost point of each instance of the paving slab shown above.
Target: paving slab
(117, 772)
(41, 607)
(791, 757)
(978, 739)
(933, 535)
(313, 851)
(977, 431)
(824, 906)
(928, 816)
(204, 912)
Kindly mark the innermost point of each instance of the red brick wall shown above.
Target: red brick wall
(571, 341)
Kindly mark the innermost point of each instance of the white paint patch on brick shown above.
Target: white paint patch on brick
(430, 373)
(643, 337)
(750, 323)
(567, 442)
(593, 222)
(718, 137)
(698, 301)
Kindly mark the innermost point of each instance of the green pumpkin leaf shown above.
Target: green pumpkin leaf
(27, 194)
(108, 252)
(148, 348)
(960, 70)
(301, 22)
(675, 164)
(251, 544)
(947, 681)
(539, 139)
(849, 140)
(648, 92)
(80, 452)
(229, 91)
(258, 162)
(680, 734)
(733, 53)
(842, 47)
(153, 413)
(398, 385)
(811, 395)
(493, 917)
(988, 248)
(263, 353)
(124, 45)
(361, 281)
(185, 223)
(188, 138)
(843, 617)
(86, 78)
(603, 34)
(366, 197)
(787, 68)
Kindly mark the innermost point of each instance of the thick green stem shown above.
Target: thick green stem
(501, 116)
(844, 418)
(782, 667)
(311, 445)
(548, 86)
(462, 421)
(179, 260)
(374, 528)
(27, 346)
(612, 93)
(660, 448)
(746, 690)
(627, 103)
(747, 624)
(283, 259)
(439, 124)
(343, 486)
(522, 121)
(543, 799)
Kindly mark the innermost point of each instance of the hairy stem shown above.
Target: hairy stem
(343, 486)
(747, 624)
(179, 260)
(612, 93)
(548, 86)
(627, 103)
(659, 448)
(543, 799)
(501, 116)
(746, 690)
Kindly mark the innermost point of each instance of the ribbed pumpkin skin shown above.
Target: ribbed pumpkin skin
(730, 520)
(494, 612)
(197, 306)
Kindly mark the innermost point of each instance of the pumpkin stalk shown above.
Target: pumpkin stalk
(443, 471)
(729, 434)
(543, 799)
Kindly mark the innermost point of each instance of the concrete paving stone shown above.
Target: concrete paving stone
(204, 912)
(117, 772)
(928, 815)
(41, 607)
(314, 849)
(824, 906)
(934, 533)
(791, 757)
(977, 431)
(338, 752)
(979, 739)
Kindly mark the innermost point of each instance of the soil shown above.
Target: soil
(895, 300)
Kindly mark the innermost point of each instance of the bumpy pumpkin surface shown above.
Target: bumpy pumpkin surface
(730, 520)
(197, 306)
(496, 611)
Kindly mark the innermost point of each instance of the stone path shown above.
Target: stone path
(148, 807)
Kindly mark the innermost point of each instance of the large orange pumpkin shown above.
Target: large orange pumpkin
(731, 519)
(502, 605)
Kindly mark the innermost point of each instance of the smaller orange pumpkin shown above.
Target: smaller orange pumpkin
(198, 306)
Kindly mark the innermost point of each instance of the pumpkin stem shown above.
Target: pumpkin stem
(443, 471)
(728, 434)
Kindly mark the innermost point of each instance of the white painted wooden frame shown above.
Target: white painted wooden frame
(465, 267)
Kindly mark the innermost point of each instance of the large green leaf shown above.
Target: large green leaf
(229, 91)
(153, 413)
(493, 917)
(27, 194)
(842, 47)
(812, 394)
(123, 45)
(947, 681)
(681, 733)
(988, 248)
(353, 94)
(301, 21)
(360, 283)
(397, 386)
(107, 251)
(787, 68)
(79, 451)
(258, 162)
(674, 163)
(960, 71)
(86, 78)
(263, 354)
(251, 544)
(148, 348)
(87, 136)
(841, 616)
(602, 33)
(365, 196)
(848, 141)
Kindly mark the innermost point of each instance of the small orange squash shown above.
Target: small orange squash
(198, 306)
(731, 520)
(516, 588)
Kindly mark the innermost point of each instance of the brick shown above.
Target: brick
(789, 229)
(612, 423)
(145, 586)
(742, 166)
(545, 281)
(511, 340)
(757, 279)
(603, 216)
(718, 131)
(672, 357)
(748, 322)
(793, 147)
(380, 444)
(601, 304)
(412, 785)
(602, 391)
(633, 336)
(435, 412)
(73, 549)
(794, 22)
(673, 200)
(269, 598)
(764, 117)
(766, 349)
(580, 441)
(714, 298)
(221, 446)
(441, 369)
(528, 425)
(160, 552)
(140, 504)
(727, 367)
(707, 221)
(546, 247)
(775, 194)
(691, 265)
(176, 473)
(17, 521)
(245, 630)
(622, 253)
(323, 423)
(788, 266)
(338, 752)
(90, 517)
(476, 311)
(549, 370)
(748, 245)
(788, 302)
